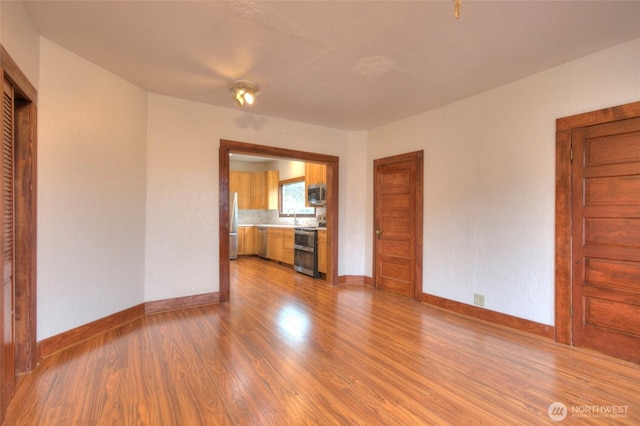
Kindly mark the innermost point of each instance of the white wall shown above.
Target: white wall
(354, 181)
(128, 189)
(20, 38)
(91, 192)
(182, 239)
(290, 169)
(489, 185)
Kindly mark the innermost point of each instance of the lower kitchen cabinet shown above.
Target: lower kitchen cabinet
(276, 243)
(322, 251)
(287, 250)
(281, 245)
(247, 240)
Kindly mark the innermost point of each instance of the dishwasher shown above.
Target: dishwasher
(263, 242)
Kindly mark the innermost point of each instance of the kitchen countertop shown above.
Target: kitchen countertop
(275, 225)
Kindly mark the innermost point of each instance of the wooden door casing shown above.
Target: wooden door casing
(7, 246)
(23, 116)
(398, 224)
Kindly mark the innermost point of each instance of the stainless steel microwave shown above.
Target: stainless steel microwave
(317, 194)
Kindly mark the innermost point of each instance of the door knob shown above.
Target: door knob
(378, 233)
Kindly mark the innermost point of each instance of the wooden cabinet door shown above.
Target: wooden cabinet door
(258, 191)
(287, 251)
(240, 182)
(276, 244)
(241, 241)
(322, 251)
(272, 188)
(313, 174)
(250, 240)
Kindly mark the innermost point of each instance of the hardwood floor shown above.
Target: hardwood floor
(290, 350)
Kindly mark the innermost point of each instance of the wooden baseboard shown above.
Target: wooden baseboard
(520, 324)
(355, 279)
(158, 306)
(71, 337)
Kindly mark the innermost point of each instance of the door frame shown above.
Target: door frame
(563, 235)
(418, 158)
(25, 222)
(26, 353)
(332, 162)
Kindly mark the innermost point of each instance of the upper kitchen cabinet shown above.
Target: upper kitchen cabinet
(315, 173)
(256, 190)
(240, 182)
(273, 188)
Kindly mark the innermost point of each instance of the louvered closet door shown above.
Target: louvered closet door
(7, 237)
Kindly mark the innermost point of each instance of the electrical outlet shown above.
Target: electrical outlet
(478, 299)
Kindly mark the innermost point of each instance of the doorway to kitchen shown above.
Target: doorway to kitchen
(232, 147)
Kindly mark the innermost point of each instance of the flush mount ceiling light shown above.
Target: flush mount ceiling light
(244, 91)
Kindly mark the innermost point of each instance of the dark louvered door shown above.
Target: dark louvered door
(606, 238)
(7, 237)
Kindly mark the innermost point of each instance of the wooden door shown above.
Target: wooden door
(605, 205)
(7, 247)
(398, 224)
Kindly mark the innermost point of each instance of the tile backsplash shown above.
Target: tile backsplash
(255, 217)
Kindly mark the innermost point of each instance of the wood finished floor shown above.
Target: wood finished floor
(290, 350)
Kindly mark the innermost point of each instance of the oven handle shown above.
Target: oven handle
(306, 233)
(304, 248)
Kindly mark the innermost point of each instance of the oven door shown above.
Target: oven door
(303, 238)
(305, 260)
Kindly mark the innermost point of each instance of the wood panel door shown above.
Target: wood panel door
(398, 224)
(605, 205)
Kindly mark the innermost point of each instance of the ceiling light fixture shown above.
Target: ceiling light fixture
(244, 91)
(456, 8)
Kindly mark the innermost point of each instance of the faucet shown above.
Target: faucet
(295, 219)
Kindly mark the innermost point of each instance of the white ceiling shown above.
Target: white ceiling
(350, 65)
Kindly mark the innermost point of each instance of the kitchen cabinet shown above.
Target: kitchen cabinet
(276, 243)
(240, 182)
(256, 190)
(281, 244)
(322, 250)
(287, 250)
(272, 189)
(314, 174)
(247, 240)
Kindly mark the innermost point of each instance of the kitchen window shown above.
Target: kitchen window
(293, 196)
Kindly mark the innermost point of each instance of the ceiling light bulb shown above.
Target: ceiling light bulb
(249, 97)
(244, 91)
(237, 93)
